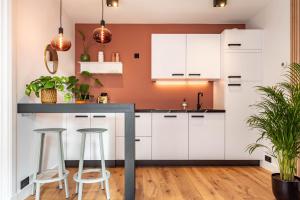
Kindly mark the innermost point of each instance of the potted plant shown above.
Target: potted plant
(47, 86)
(85, 56)
(278, 121)
(82, 90)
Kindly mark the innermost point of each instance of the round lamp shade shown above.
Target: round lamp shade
(102, 35)
(60, 43)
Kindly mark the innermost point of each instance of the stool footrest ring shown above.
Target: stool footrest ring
(91, 180)
(41, 178)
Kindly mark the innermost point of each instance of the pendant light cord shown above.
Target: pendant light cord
(102, 9)
(60, 20)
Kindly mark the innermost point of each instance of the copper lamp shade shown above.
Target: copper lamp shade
(102, 35)
(60, 43)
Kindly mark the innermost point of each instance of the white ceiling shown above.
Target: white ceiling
(163, 11)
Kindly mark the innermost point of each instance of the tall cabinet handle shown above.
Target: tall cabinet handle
(234, 44)
(234, 85)
(234, 76)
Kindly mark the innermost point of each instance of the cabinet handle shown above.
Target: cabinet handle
(237, 85)
(137, 140)
(234, 44)
(177, 74)
(137, 116)
(170, 116)
(197, 116)
(194, 74)
(99, 116)
(234, 76)
(81, 116)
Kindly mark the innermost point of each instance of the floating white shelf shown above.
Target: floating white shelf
(102, 67)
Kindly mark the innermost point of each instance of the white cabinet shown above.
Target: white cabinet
(170, 136)
(203, 56)
(242, 39)
(244, 65)
(75, 122)
(120, 124)
(168, 56)
(107, 121)
(238, 135)
(206, 136)
(143, 124)
(142, 148)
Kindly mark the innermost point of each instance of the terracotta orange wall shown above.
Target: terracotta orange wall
(135, 85)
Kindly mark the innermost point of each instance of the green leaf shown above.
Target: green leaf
(86, 74)
(49, 85)
(98, 82)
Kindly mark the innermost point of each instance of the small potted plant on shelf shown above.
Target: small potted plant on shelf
(82, 90)
(278, 121)
(46, 87)
(85, 56)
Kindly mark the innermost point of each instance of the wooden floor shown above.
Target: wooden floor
(180, 183)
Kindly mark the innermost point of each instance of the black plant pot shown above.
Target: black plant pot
(284, 190)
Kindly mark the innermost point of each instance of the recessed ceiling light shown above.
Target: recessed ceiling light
(112, 3)
(220, 3)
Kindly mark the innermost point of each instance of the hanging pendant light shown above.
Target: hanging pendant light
(61, 43)
(102, 34)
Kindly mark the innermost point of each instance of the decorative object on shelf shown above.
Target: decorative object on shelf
(103, 98)
(47, 86)
(115, 57)
(82, 90)
(112, 3)
(102, 34)
(220, 3)
(60, 42)
(85, 56)
(184, 104)
(51, 59)
(278, 121)
(100, 56)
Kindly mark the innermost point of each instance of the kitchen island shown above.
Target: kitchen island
(127, 109)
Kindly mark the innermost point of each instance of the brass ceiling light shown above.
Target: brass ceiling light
(102, 34)
(60, 43)
(112, 3)
(220, 3)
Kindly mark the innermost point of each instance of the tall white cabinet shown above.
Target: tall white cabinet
(242, 72)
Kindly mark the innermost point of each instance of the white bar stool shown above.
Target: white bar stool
(105, 174)
(39, 176)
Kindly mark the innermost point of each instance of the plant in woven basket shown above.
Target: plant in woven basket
(47, 87)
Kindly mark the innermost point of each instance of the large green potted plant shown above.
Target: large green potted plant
(46, 87)
(278, 121)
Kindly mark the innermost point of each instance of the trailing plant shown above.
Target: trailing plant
(278, 120)
(61, 84)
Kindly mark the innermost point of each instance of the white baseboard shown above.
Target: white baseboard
(272, 167)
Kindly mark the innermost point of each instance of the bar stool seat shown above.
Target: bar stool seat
(47, 176)
(105, 174)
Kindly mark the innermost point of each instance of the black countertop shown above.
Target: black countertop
(180, 111)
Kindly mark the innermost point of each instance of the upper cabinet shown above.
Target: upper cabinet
(182, 56)
(168, 56)
(203, 56)
(242, 39)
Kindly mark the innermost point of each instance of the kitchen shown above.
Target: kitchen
(174, 92)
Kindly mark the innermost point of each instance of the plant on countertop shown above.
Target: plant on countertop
(50, 83)
(82, 90)
(85, 57)
(278, 121)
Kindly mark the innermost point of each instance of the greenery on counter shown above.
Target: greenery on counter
(278, 121)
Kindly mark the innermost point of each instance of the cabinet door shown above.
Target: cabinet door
(206, 136)
(242, 39)
(170, 136)
(75, 122)
(143, 124)
(244, 65)
(203, 56)
(168, 56)
(120, 124)
(107, 121)
(142, 148)
(238, 135)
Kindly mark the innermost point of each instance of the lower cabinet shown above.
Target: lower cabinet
(170, 136)
(206, 136)
(142, 148)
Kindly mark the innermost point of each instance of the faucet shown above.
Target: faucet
(198, 100)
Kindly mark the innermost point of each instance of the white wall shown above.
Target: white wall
(274, 19)
(37, 23)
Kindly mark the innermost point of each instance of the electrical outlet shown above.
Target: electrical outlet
(24, 182)
(268, 159)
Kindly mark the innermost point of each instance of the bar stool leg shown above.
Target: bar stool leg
(62, 168)
(39, 159)
(38, 191)
(103, 168)
(80, 169)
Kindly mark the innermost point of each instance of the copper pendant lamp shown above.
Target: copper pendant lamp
(60, 42)
(102, 34)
